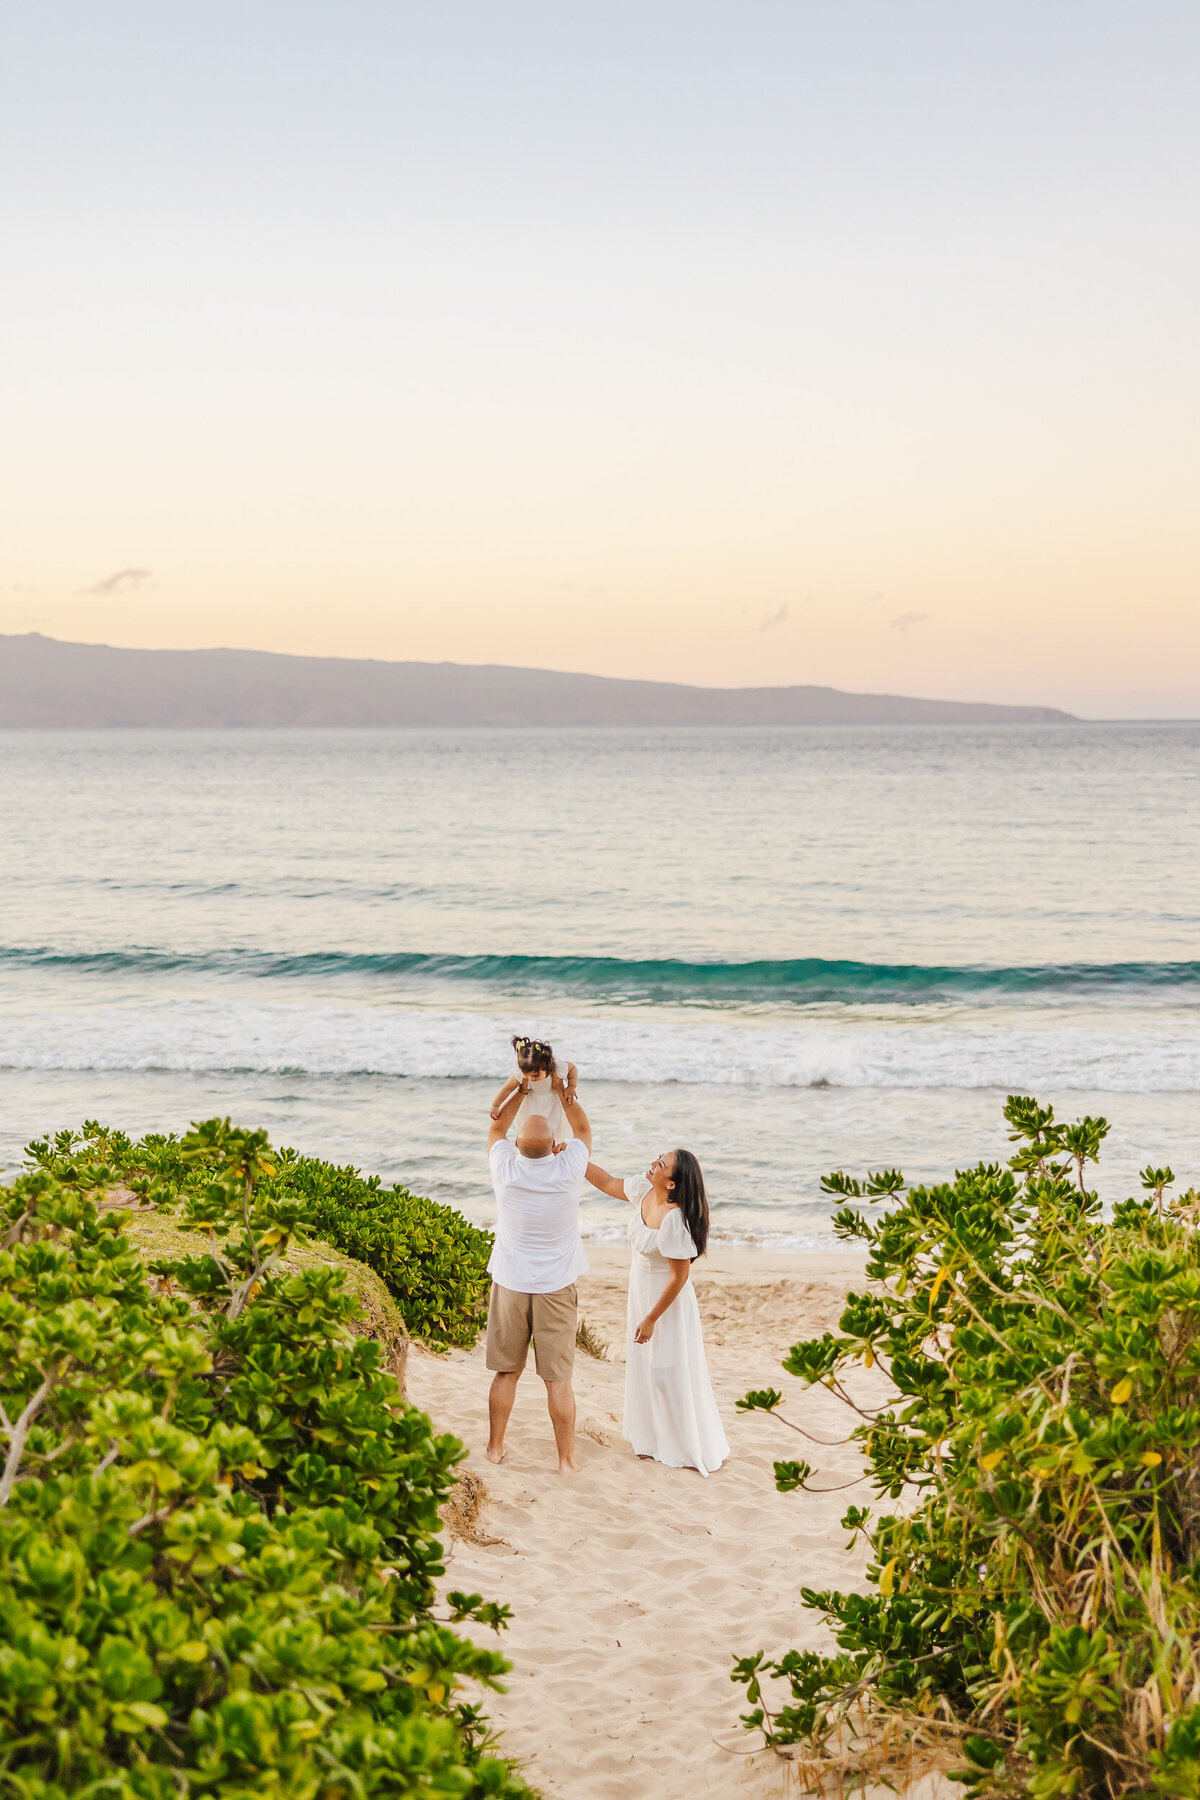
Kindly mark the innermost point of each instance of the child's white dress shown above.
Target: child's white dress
(542, 1098)
(670, 1411)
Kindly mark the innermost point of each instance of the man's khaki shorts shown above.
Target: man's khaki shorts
(551, 1320)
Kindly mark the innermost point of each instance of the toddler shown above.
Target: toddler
(537, 1068)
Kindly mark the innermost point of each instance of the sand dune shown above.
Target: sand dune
(634, 1585)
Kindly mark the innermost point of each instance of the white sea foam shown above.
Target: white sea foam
(1115, 1052)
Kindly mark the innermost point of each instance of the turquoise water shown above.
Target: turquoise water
(793, 949)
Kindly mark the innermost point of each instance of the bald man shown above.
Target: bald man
(536, 1259)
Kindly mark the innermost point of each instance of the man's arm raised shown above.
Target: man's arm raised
(514, 1081)
(502, 1122)
(577, 1119)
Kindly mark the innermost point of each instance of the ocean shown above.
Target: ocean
(791, 949)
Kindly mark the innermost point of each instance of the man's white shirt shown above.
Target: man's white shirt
(538, 1248)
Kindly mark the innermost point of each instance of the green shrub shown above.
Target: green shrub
(217, 1517)
(433, 1261)
(1035, 1604)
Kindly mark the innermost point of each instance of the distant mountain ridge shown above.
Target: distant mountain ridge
(48, 682)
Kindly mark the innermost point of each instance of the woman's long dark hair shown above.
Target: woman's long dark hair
(689, 1196)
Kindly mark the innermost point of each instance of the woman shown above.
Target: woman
(670, 1413)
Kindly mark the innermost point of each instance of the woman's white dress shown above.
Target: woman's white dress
(670, 1412)
(542, 1098)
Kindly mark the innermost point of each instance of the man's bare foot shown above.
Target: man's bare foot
(496, 1456)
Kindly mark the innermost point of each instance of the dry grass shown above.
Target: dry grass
(874, 1753)
(588, 1340)
(464, 1503)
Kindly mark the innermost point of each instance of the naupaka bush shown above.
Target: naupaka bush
(218, 1519)
(1035, 1603)
(432, 1260)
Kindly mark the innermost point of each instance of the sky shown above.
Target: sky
(749, 343)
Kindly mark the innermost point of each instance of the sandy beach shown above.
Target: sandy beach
(633, 1586)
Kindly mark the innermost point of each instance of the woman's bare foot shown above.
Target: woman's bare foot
(496, 1456)
(567, 1467)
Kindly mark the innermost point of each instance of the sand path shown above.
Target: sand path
(633, 1586)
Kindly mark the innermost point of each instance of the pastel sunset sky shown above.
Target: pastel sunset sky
(840, 341)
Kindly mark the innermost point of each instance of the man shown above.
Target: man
(537, 1256)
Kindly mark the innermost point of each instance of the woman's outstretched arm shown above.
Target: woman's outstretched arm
(608, 1184)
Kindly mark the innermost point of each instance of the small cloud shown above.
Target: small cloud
(876, 599)
(125, 581)
(775, 618)
(905, 621)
